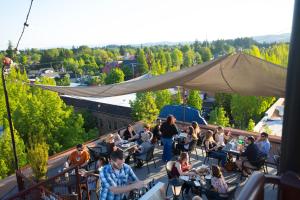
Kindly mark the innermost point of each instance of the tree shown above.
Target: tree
(188, 58)
(251, 125)
(116, 75)
(177, 57)
(38, 159)
(198, 58)
(127, 72)
(194, 99)
(10, 51)
(142, 62)
(161, 59)
(169, 60)
(64, 81)
(162, 98)
(177, 99)
(6, 153)
(206, 54)
(244, 108)
(218, 117)
(144, 107)
(224, 100)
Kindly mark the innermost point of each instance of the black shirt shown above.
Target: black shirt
(168, 130)
(156, 131)
(127, 135)
(252, 153)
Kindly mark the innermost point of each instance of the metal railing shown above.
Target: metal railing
(67, 184)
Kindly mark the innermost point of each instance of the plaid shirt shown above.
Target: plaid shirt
(109, 178)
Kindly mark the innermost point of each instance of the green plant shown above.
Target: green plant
(38, 158)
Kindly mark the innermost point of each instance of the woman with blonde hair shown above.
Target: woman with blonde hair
(212, 149)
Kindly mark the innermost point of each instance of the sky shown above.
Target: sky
(64, 23)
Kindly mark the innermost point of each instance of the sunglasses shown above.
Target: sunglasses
(80, 149)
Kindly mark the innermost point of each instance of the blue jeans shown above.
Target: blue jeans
(221, 155)
(167, 153)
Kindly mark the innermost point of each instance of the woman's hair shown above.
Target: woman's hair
(128, 126)
(183, 155)
(216, 171)
(208, 135)
(220, 129)
(109, 138)
(170, 119)
(193, 133)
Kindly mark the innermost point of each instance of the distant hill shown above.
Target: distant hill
(285, 37)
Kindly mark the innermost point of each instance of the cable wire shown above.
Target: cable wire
(25, 25)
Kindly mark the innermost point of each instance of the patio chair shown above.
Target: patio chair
(147, 157)
(193, 147)
(207, 157)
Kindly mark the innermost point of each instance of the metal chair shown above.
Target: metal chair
(147, 157)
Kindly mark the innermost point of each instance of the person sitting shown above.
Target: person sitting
(129, 134)
(110, 143)
(250, 158)
(138, 137)
(219, 136)
(189, 141)
(227, 136)
(142, 149)
(118, 140)
(156, 132)
(218, 181)
(182, 168)
(263, 144)
(211, 148)
(79, 157)
(117, 178)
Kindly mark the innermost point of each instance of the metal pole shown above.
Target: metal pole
(6, 63)
(290, 132)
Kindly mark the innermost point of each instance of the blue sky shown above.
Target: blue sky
(59, 23)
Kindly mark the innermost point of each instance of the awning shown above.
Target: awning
(238, 73)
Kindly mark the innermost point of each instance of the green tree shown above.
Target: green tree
(206, 54)
(251, 125)
(127, 72)
(116, 75)
(162, 98)
(194, 99)
(38, 159)
(161, 59)
(177, 57)
(64, 81)
(198, 58)
(188, 58)
(169, 60)
(144, 107)
(244, 108)
(6, 152)
(218, 117)
(142, 62)
(177, 99)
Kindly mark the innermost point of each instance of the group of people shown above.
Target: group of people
(118, 178)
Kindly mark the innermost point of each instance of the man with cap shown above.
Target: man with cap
(79, 156)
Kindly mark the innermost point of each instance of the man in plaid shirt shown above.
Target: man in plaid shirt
(117, 178)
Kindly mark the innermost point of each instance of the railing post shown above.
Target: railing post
(20, 181)
(78, 189)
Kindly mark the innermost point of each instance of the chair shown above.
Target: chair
(147, 157)
(207, 156)
(192, 147)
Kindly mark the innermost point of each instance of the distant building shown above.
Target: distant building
(109, 116)
(110, 65)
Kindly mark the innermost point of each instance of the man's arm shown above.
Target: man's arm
(127, 188)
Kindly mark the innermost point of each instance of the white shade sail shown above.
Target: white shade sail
(238, 73)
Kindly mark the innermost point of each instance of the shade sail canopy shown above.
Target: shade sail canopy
(238, 73)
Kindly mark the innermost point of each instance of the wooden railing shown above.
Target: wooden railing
(288, 186)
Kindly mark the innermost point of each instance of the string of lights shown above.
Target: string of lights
(24, 26)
